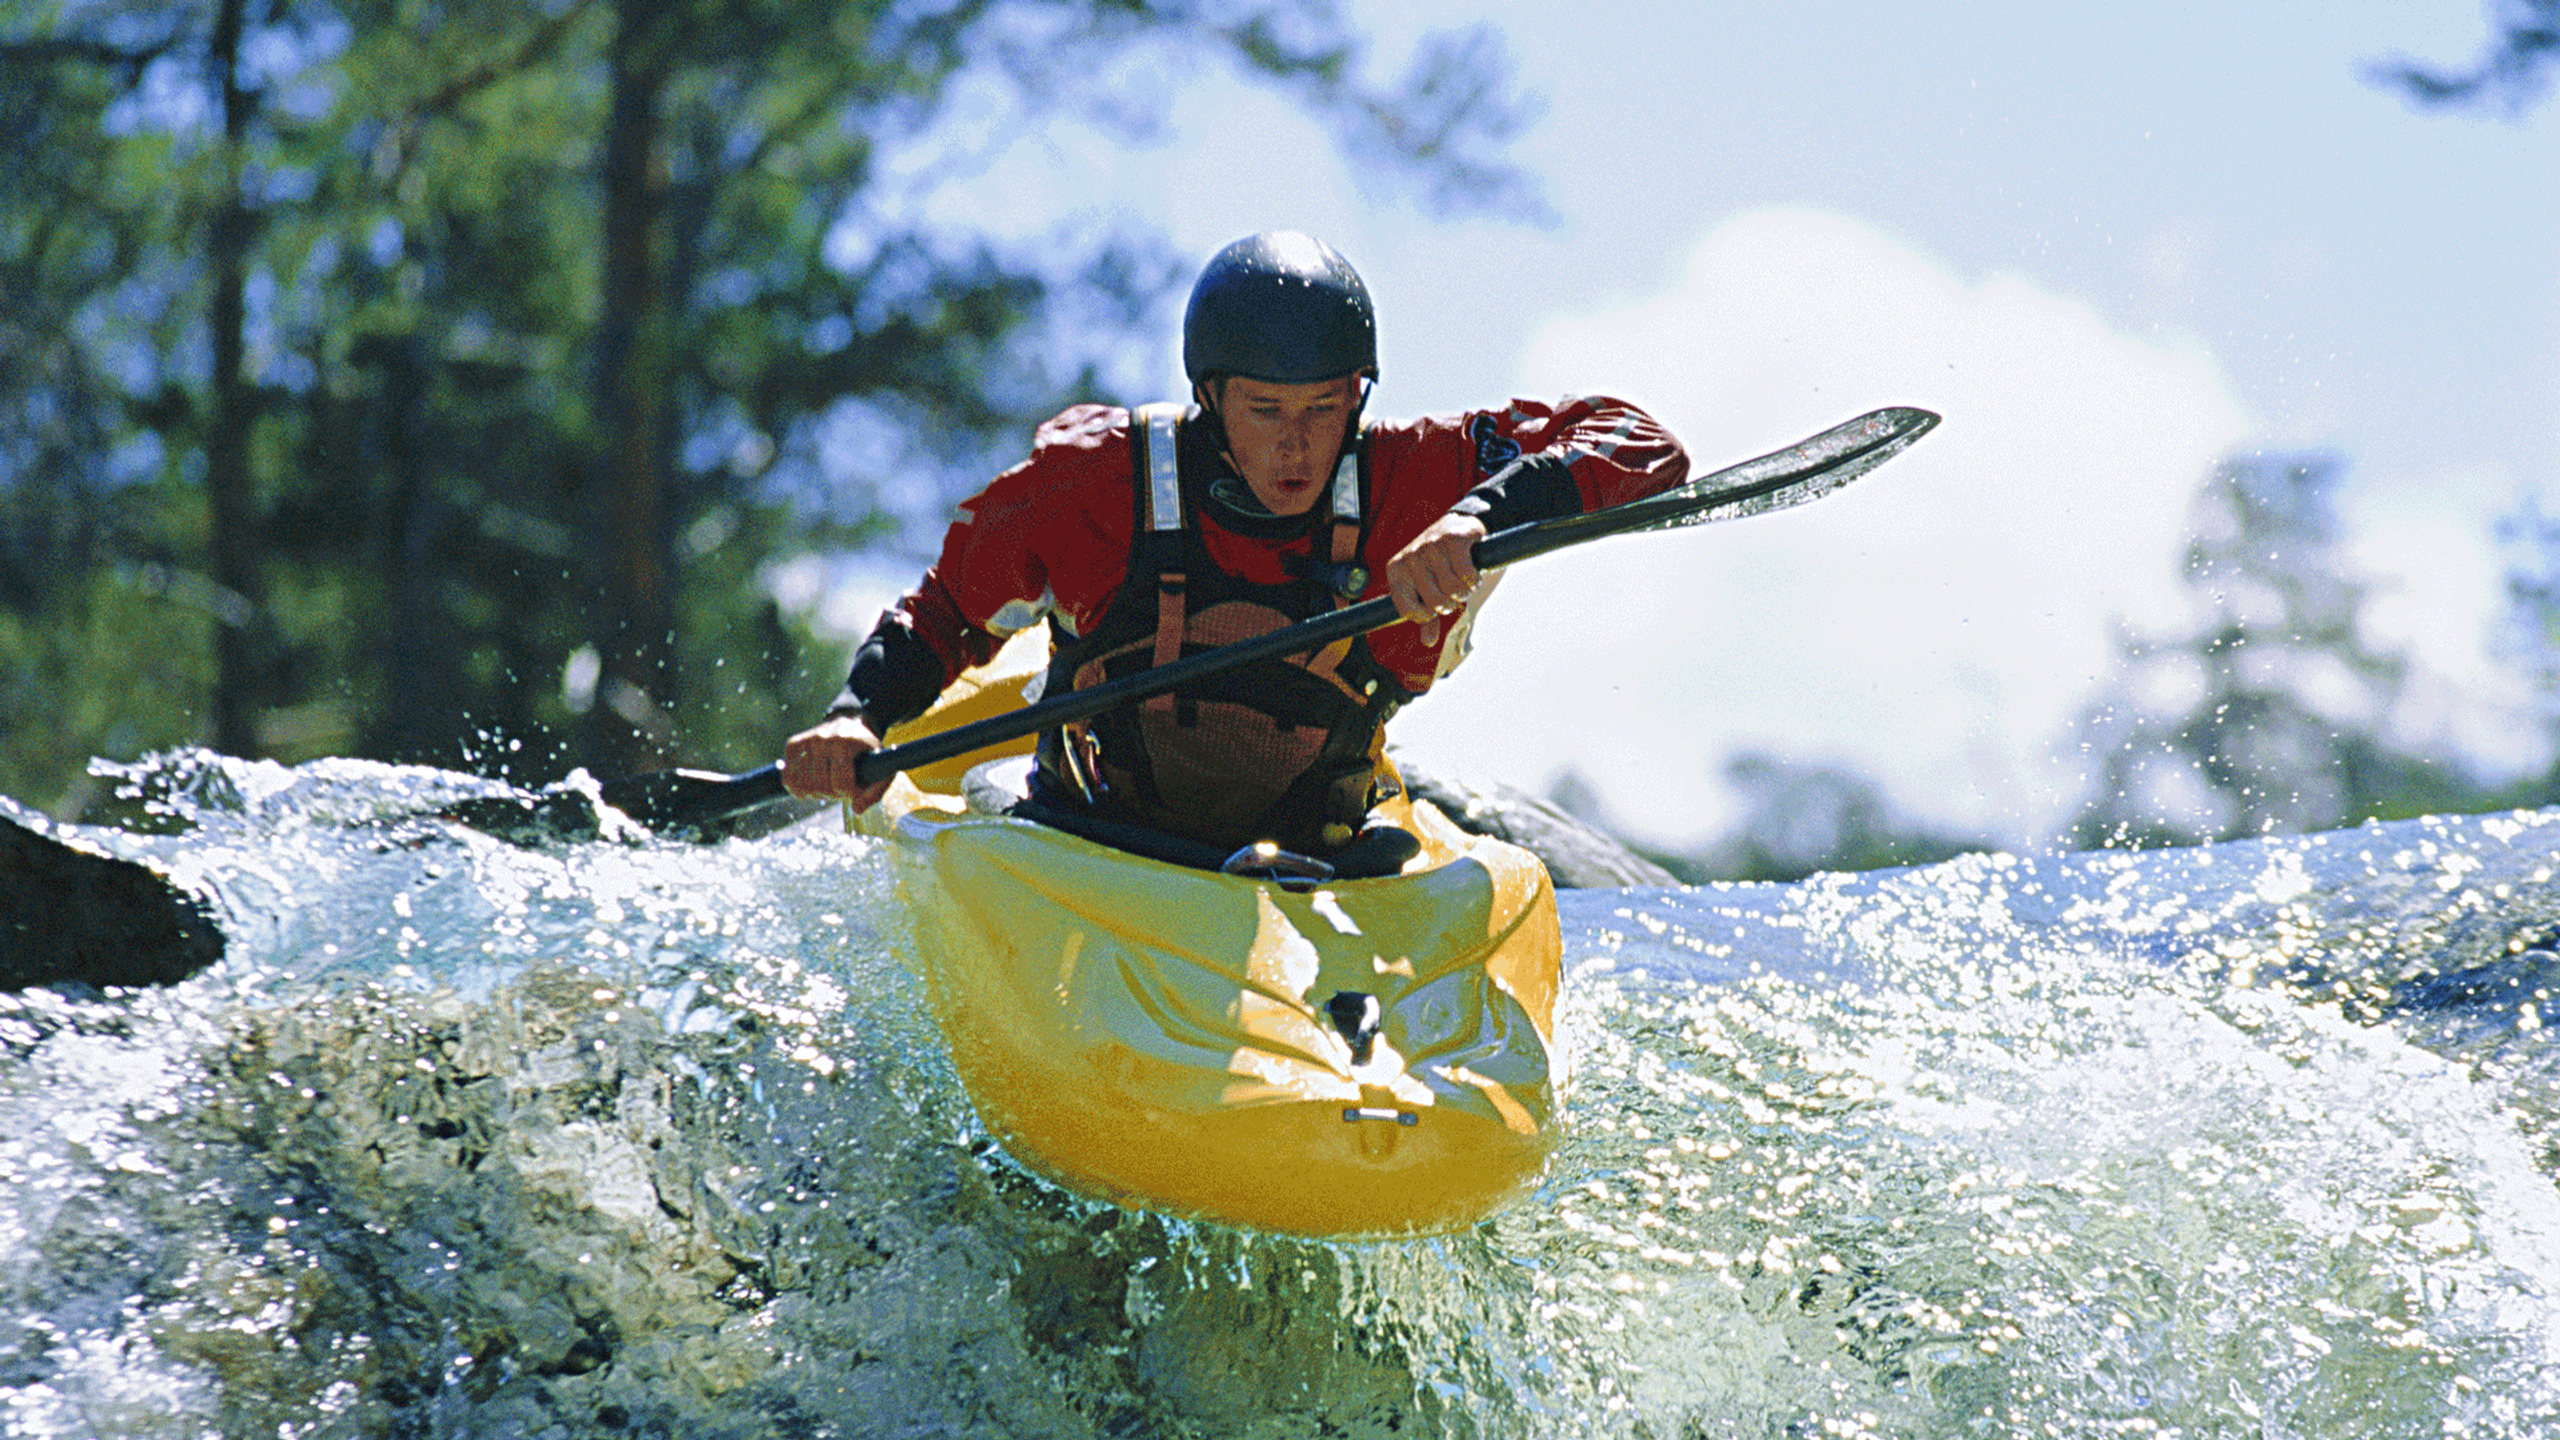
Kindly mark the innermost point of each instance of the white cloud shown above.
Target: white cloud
(1936, 626)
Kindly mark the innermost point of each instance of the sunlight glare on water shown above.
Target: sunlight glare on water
(2068, 1191)
(627, 1137)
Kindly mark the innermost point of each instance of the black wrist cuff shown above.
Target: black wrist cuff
(1531, 488)
(894, 678)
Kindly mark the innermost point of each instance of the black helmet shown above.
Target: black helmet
(1281, 307)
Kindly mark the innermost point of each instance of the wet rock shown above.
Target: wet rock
(70, 914)
(1577, 855)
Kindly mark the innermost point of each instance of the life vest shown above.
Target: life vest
(1288, 749)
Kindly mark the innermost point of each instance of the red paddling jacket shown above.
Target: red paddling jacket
(1135, 540)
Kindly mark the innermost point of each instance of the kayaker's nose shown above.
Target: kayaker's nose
(1356, 1015)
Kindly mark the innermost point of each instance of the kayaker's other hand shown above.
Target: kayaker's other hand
(818, 763)
(1435, 574)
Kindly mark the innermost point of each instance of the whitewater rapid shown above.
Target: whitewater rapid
(625, 1137)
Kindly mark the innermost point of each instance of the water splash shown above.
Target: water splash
(630, 1138)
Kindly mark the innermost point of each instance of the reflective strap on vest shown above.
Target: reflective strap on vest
(1158, 429)
(1346, 523)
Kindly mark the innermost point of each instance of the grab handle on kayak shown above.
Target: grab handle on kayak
(1354, 1114)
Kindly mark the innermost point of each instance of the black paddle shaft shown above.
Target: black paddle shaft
(1805, 471)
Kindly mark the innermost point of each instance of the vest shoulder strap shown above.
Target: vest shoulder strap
(1349, 577)
(1156, 430)
(1156, 434)
(1346, 481)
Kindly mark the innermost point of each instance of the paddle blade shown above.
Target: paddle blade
(1803, 472)
(699, 803)
(694, 804)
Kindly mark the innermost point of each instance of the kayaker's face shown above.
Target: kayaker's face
(1284, 438)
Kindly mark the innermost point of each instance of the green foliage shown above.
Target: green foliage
(136, 624)
(543, 316)
(62, 254)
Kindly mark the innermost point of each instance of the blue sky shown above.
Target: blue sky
(2110, 241)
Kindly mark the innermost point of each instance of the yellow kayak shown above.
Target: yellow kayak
(1349, 1058)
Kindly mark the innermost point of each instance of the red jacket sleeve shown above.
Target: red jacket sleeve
(1536, 461)
(1050, 534)
(1530, 460)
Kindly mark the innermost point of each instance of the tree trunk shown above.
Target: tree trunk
(418, 720)
(230, 484)
(633, 542)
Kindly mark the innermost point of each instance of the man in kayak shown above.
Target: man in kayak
(1144, 536)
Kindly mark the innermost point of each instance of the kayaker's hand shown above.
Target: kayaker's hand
(1434, 575)
(818, 762)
